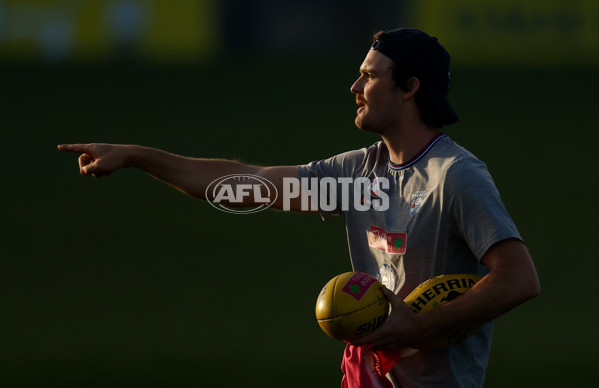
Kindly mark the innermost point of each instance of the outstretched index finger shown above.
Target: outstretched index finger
(77, 148)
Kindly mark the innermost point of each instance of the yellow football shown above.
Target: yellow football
(437, 291)
(350, 306)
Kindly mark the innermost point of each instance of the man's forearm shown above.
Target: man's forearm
(512, 281)
(189, 175)
(192, 176)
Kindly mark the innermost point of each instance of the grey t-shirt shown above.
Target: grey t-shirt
(444, 213)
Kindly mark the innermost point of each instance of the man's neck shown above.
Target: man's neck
(403, 145)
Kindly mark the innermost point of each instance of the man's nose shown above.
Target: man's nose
(357, 87)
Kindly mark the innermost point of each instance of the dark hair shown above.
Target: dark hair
(401, 75)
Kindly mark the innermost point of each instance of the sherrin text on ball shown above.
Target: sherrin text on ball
(437, 291)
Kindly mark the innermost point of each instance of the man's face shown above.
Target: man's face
(377, 99)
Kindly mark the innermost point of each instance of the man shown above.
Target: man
(444, 214)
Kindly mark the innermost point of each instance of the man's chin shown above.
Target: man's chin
(366, 127)
(358, 123)
(361, 124)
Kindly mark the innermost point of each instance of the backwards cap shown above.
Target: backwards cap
(423, 55)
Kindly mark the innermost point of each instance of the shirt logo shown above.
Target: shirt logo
(390, 242)
(416, 203)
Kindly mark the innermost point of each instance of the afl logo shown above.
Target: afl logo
(228, 193)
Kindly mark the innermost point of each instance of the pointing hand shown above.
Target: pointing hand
(98, 159)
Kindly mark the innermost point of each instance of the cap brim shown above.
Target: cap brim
(442, 106)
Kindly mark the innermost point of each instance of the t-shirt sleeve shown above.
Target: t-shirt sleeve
(346, 165)
(479, 213)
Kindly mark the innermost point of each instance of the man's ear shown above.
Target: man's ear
(412, 87)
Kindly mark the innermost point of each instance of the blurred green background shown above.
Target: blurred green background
(125, 282)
